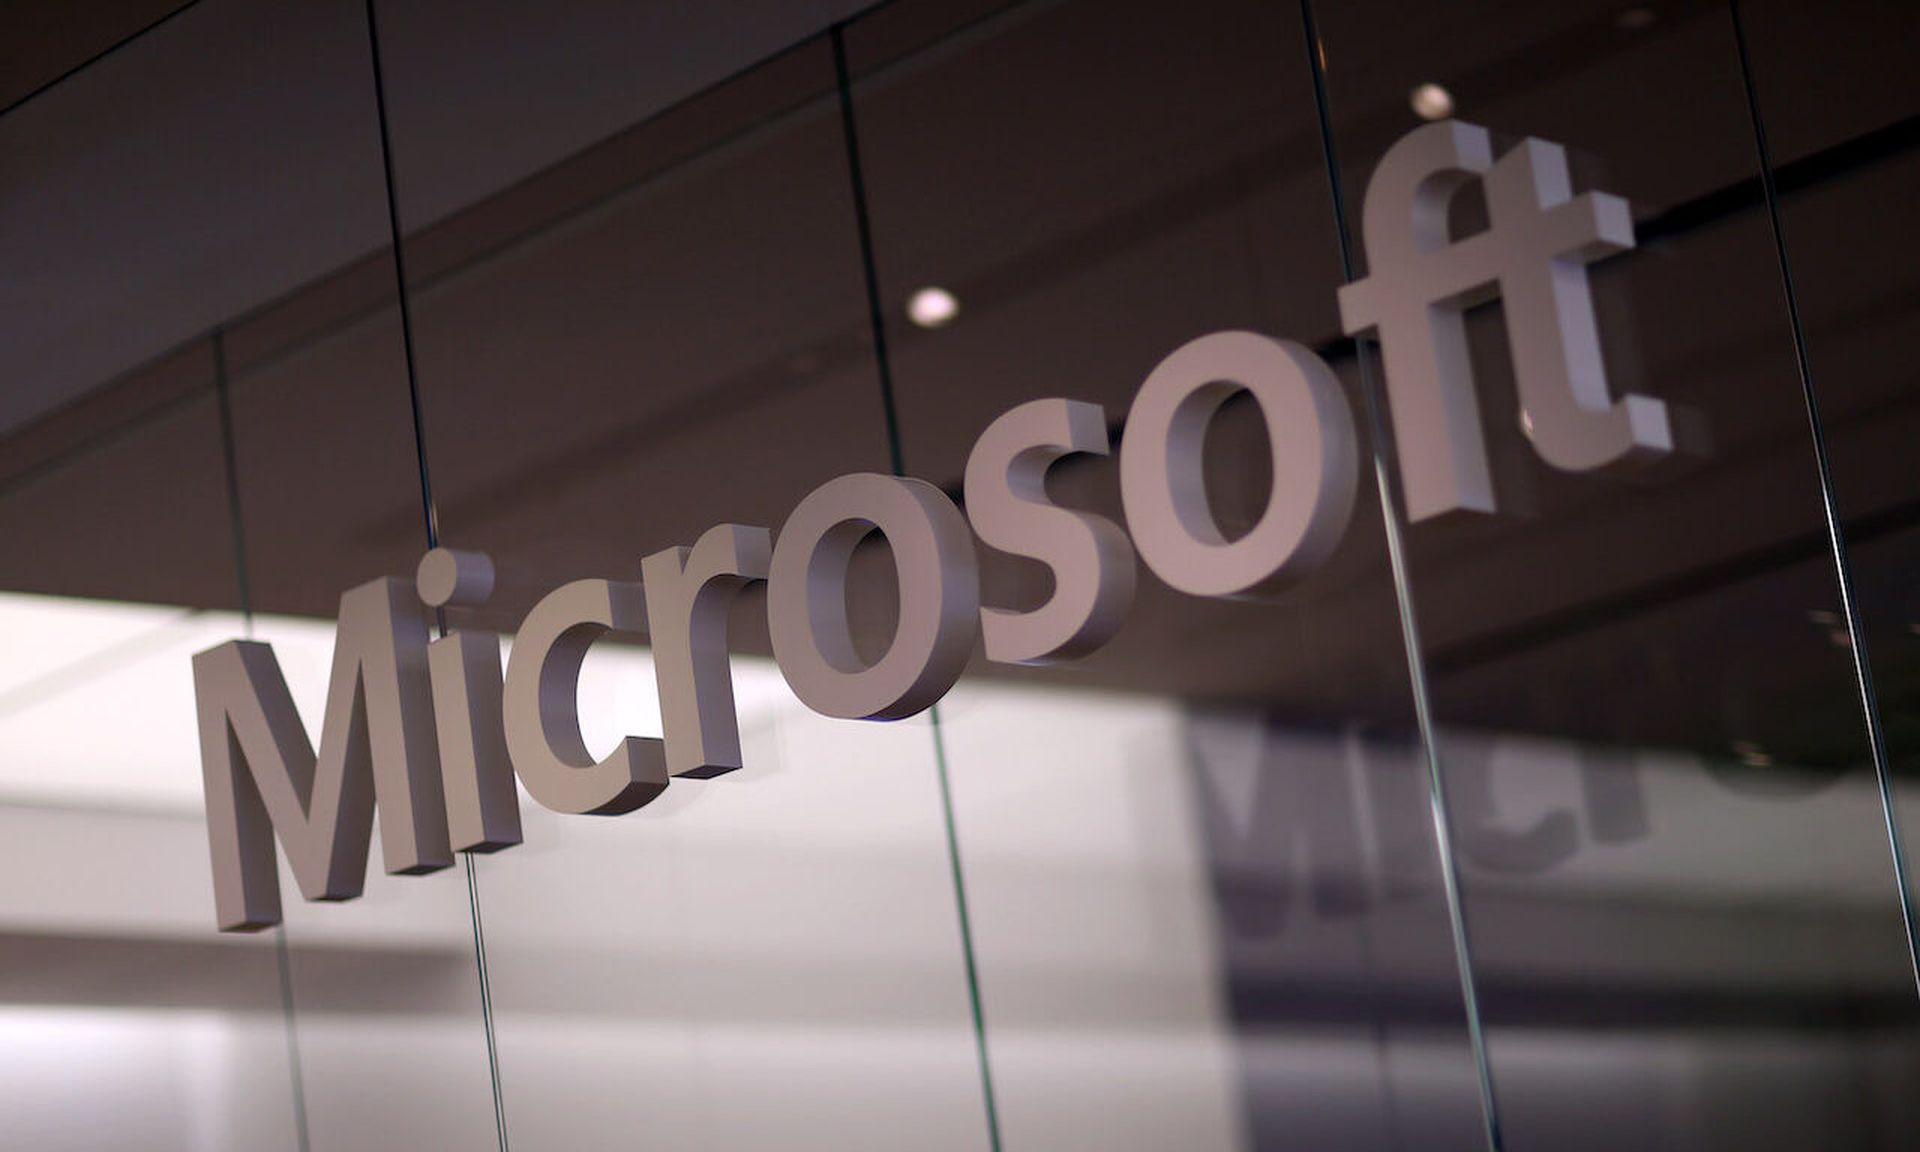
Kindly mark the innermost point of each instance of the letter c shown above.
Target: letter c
(540, 701)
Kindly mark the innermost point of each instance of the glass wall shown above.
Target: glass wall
(1560, 804)
(1678, 881)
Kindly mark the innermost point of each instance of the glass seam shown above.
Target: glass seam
(283, 963)
(1829, 505)
(883, 369)
(432, 524)
(1403, 597)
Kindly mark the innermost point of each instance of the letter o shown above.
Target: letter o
(939, 579)
(1315, 465)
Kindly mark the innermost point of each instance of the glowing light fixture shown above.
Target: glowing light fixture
(1431, 102)
(932, 307)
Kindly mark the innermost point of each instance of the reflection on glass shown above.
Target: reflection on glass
(111, 979)
(1203, 903)
(658, 334)
(1846, 169)
(199, 214)
(1203, 850)
(1678, 883)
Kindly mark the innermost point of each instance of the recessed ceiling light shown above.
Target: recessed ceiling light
(1431, 102)
(932, 307)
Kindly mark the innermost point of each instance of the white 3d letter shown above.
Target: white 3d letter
(1091, 559)
(483, 808)
(1315, 465)
(542, 704)
(688, 593)
(264, 778)
(1533, 255)
(939, 597)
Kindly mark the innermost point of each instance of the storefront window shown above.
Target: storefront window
(1547, 792)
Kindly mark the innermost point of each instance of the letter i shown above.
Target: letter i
(483, 808)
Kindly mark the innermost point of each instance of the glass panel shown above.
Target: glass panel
(129, 1021)
(113, 984)
(1198, 867)
(657, 334)
(385, 988)
(1847, 170)
(1677, 878)
(1205, 897)
(233, 228)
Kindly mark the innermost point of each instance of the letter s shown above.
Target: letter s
(1091, 558)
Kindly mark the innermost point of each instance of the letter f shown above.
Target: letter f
(1533, 255)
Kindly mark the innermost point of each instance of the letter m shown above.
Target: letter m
(377, 744)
